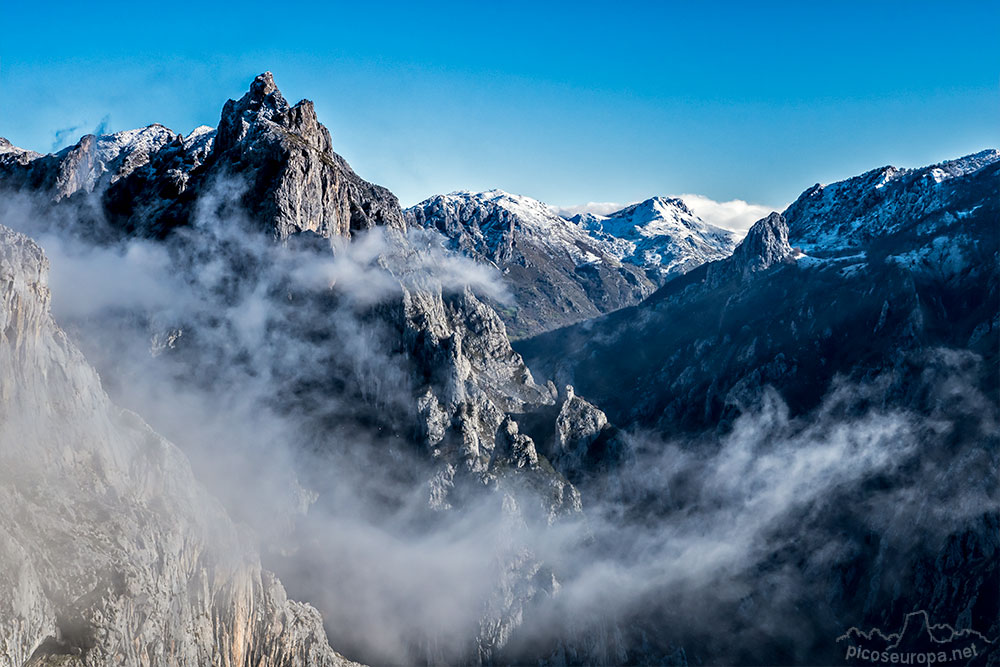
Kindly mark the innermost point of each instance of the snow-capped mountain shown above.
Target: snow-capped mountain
(562, 270)
(557, 272)
(660, 234)
(487, 224)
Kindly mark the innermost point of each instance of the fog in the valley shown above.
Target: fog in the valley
(276, 368)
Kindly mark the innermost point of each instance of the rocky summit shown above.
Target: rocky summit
(254, 413)
(147, 181)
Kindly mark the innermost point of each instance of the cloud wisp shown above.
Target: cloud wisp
(735, 215)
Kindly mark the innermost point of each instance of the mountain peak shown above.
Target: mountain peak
(262, 102)
(263, 85)
(660, 200)
(657, 206)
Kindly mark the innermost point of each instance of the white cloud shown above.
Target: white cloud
(735, 215)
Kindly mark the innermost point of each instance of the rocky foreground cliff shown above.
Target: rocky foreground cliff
(112, 552)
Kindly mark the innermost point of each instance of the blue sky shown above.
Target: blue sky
(566, 102)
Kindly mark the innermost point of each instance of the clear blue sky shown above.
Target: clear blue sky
(566, 102)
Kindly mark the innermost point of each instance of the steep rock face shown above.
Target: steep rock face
(578, 424)
(584, 439)
(112, 553)
(765, 245)
(476, 379)
(472, 388)
(299, 183)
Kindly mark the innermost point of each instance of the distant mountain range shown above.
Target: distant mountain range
(563, 270)
(908, 256)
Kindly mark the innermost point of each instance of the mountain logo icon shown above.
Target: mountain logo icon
(918, 643)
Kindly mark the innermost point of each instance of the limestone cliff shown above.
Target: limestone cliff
(111, 552)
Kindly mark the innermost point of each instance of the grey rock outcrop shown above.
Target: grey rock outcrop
(517, 448)
(299, 183)
(765, 245)
(472, 388)
(578, 425)
(110, 551)
(475, 378)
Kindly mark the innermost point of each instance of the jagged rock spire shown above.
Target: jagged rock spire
(262, 102)
(295, 180)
